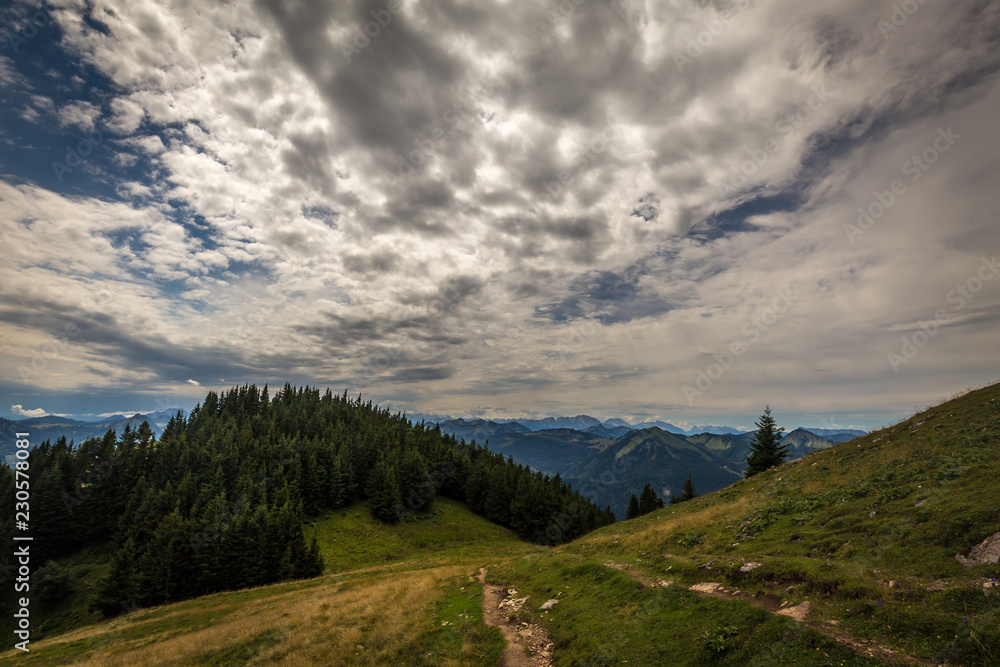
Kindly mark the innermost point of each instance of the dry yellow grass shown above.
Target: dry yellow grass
(365, 620)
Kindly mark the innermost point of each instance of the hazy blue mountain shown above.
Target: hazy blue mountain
(609, 431)
(552, 451)
(836, 435)
(479, 429)
(615, 422)
(800, 442)
(665, 426)
(718, 430)
(672, 428)
(52, 427)
(733, 448)
(651, 455)
(579, 423)
(417, 417)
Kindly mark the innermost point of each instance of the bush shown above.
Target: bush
(690, 540)
(719, 641)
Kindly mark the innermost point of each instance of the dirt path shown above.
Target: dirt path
(772, 604)
(528, 645)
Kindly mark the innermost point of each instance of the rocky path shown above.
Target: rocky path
(528, 645)
(773, 604)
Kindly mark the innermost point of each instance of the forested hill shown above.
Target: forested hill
(219, 501)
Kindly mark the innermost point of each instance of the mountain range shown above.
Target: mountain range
(585, 422)
(52, 427)
(609, 461)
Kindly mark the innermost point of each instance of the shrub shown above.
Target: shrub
(719, 641)
(690, 540)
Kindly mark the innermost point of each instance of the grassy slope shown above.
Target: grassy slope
(387, 589)
(866, 530)
(932, 481)
(350, 539)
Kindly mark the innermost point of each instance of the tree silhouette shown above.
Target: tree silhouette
(685, 495)
(649, 500)
(766, 450)
(633, 508)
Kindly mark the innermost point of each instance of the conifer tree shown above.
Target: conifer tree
(649, 500)
(633, 508)
(383, 492)
(766, 450)
(686, 494)
(219, 501)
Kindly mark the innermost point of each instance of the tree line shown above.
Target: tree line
(219, 502)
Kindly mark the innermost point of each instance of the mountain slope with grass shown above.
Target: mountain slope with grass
(398, 594)
(870, 547)
(866, 531)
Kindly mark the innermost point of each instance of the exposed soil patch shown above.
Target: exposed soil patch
(528, 644)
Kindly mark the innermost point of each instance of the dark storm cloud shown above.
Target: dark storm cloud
(430, 318)
(421, 374)
(389, 93)
(104, 337)
(383, 261)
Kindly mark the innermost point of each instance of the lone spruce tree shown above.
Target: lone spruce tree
(633, 508)
(687, 494)
(649, 500)
(766, 450)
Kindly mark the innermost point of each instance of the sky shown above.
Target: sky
(668, 209)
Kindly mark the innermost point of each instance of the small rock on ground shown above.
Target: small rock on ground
(798, 612)
(985, 553)
(707, 587)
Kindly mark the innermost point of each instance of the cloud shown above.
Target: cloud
(19, 411)
(554, 209)
(194, 382)
(79, 115)
(9, 76)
